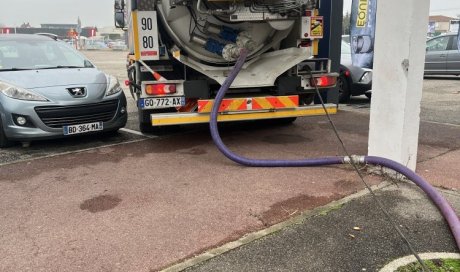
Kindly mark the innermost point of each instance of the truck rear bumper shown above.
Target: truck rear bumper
(166, 119)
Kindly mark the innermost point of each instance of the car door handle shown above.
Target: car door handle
(442, 56)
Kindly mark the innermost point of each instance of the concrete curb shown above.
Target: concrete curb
(391, 267)
(250, 237)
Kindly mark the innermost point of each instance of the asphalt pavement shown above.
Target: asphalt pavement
(353, 236)
(155, 203)
(131, 202)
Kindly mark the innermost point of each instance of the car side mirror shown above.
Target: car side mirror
(119, 19)
(87, 63)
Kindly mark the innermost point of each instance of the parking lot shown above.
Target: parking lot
(133, 202)
(440, 104)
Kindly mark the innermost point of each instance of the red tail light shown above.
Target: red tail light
(159, 89)
(324, 81)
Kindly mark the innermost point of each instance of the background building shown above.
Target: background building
(63, 31)
(439, 24)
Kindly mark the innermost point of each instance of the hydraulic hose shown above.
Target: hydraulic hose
(442, 204)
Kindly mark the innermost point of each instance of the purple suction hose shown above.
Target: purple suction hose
(442, 204)
(444, 207)
(251, 162)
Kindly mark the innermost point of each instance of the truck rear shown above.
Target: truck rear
(181, 51)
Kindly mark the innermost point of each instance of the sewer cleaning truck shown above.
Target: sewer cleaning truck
(181, 51)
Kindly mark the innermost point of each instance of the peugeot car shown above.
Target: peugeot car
(50, 90)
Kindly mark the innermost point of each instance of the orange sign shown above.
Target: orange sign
(72, 33)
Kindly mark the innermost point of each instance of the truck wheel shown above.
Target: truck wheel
(277, 121)
(144, 121)
(4, 142)
(147, 128)
(285, 121)
(306, 99)
(344, 89)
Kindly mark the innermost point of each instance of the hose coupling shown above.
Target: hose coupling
(357, 159)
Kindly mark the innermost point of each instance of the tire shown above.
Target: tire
(277, 121)
(111, 133)
(285, 121)
(147, 128)
(132, 78)
(4, 142)
(144, 123)
(307, 99)
(344, 89)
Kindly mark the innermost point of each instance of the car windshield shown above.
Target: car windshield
(39, 54)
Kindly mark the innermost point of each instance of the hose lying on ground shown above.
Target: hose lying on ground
(442, 204)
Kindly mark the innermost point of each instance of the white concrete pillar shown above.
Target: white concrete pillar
(398, 79)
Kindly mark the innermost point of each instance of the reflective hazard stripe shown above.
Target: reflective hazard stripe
(248, 104)
(165, 119)
(137, 53)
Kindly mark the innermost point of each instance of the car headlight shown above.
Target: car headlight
(113, 86)
(20, 93)
(366, 78)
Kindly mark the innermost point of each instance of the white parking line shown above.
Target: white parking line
(394, 265)
(72, 152)
(135, 132)
(440, 123)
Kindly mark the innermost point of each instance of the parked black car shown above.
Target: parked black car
(353, 80)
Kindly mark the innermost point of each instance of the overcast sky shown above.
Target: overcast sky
(437, 7)
(92, 12)
(100, 12)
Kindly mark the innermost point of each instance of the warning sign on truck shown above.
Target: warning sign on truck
(317, 27)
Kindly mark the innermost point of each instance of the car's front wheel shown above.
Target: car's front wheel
(344, 89)
(4, 142)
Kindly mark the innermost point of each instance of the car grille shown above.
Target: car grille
(59, 116)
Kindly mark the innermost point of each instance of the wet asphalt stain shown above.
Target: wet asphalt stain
(194, 151)
(293, 206)
(285, 139)
(347, 185)
(100, 203)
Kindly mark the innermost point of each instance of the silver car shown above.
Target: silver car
(442, 55)
(49, 90)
